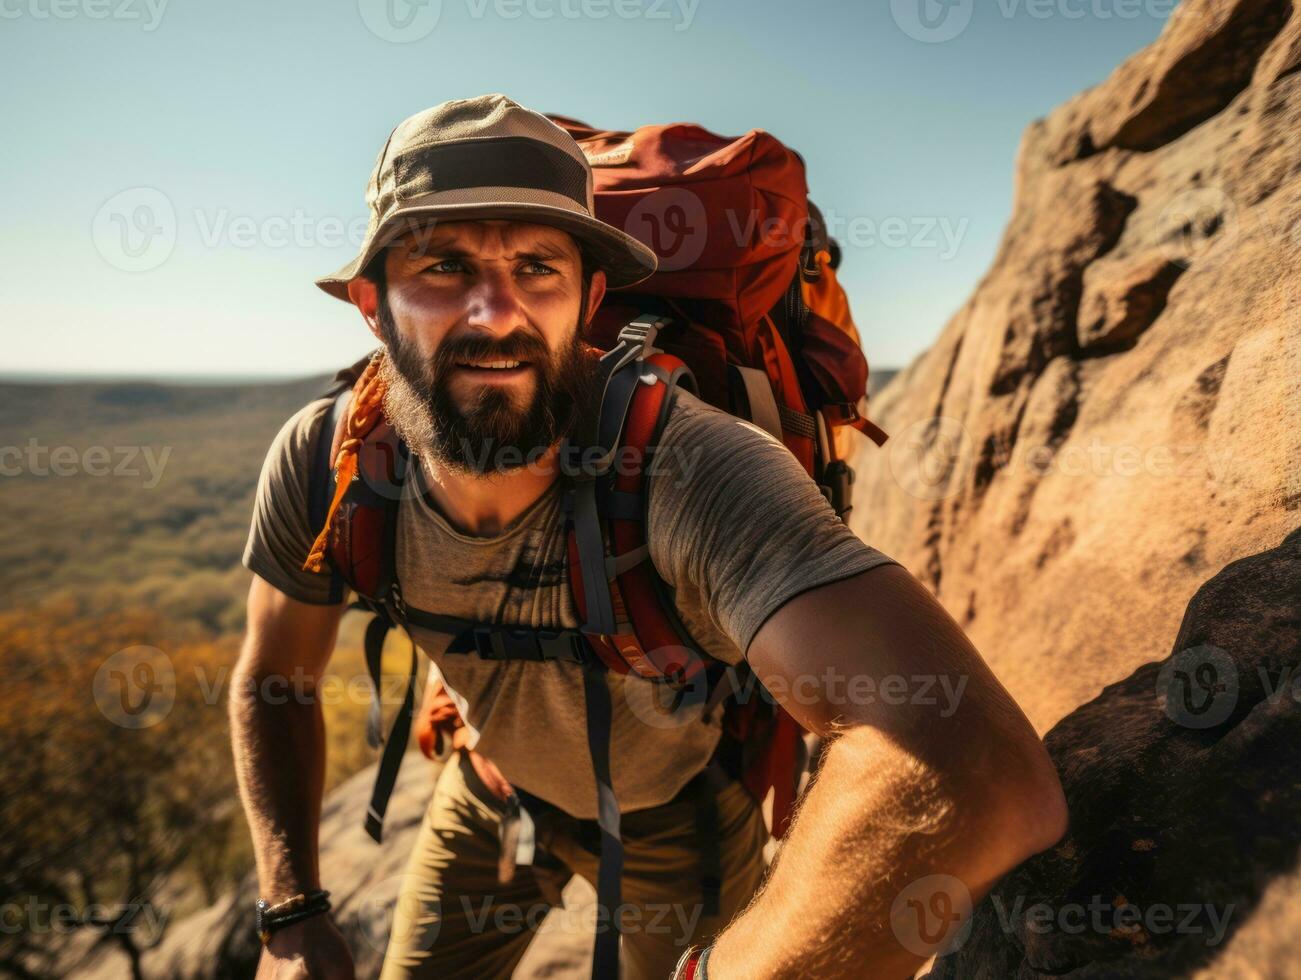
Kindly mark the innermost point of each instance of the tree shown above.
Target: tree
(114, 765)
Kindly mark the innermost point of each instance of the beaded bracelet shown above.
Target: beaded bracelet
(267, 918)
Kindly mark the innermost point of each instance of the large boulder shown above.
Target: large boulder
(1185, 807)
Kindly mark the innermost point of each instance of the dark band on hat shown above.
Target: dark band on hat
(497, 161)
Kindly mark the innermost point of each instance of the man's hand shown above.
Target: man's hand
(490, 775)
(933, 781)
(439, 728)
(313, 949)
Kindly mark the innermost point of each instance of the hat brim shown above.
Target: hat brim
(624, 259)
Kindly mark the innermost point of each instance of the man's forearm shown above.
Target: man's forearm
(279, 747)
(875, 820)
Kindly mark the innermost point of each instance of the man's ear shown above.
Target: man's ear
(595, 293)
(364, 295)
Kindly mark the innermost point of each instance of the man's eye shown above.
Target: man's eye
(446, 265)
(538, 269)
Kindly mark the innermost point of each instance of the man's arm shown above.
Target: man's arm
(278, 738)
(912, 799)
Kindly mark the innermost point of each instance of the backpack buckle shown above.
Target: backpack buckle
(503, 643)
(642, 331)
(496, 643)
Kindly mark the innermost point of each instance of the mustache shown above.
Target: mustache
(518, 346)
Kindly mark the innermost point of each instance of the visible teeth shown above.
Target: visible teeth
(493, 364)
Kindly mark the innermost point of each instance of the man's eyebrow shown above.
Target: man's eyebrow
(451, 251)
(423, 249)
(542, 252)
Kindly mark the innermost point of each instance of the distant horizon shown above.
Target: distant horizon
(156, 377)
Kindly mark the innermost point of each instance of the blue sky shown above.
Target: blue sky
(249, 129)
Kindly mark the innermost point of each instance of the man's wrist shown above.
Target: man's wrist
(272, 916)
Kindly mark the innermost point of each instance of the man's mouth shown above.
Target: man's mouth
(501, 369)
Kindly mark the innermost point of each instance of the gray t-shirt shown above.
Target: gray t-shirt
(736, 526)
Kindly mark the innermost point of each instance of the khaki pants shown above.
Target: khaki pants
(454, 920)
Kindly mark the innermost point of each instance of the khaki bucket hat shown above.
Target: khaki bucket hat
(481, 158)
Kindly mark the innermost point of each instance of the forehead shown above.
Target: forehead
(491, 239)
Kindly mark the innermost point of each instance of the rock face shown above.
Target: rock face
(1185, 806)
(1109, 421)
(1111, 417)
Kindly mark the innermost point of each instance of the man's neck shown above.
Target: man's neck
(482, 506)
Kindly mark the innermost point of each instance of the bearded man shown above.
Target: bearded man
(482, 267)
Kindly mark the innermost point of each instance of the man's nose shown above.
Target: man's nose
(494, 304)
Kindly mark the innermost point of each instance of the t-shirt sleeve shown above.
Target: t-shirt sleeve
(281, 535)
(733, 516)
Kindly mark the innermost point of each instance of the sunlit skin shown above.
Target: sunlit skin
(497, 279)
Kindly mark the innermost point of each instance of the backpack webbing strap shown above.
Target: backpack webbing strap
(758, 395)
(609, 875)
(709, 834)
(373, 645)
(601, 435)
(591, 551)
(597, 435)
(395, 746)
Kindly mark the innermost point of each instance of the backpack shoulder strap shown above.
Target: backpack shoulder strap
(320, 481)
(357, 471)
(650, 638)
(628, 613)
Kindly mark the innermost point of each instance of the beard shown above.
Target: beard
(493, 433)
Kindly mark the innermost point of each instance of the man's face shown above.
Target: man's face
(487, 367)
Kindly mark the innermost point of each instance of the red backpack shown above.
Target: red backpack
(745, 311)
